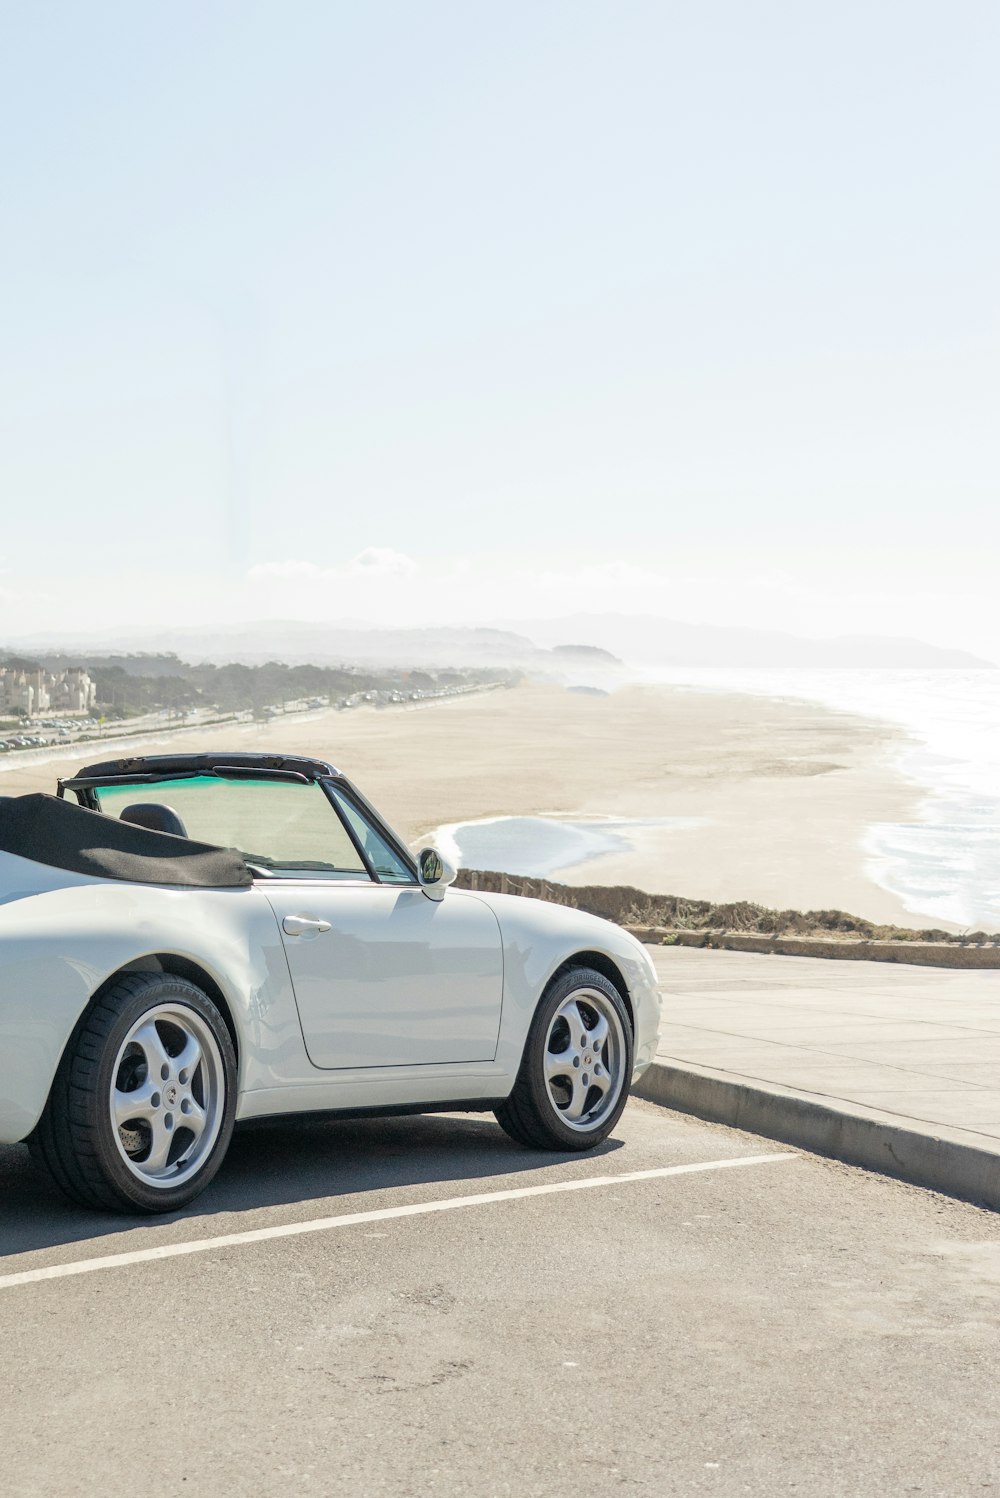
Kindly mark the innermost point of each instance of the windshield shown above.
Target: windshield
(282, 827)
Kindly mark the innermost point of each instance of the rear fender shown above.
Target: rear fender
(59, 947)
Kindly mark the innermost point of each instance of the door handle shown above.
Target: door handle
(301, 925)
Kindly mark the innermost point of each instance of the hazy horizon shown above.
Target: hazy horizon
(635, 642)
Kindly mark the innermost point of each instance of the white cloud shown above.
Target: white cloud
(374, 561)
(381, 561)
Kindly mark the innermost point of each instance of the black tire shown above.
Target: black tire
(534, 1114)
(101, 1166)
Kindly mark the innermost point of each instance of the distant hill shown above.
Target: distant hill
(593, 654)
(579, 646)
(297, 643)
(644, 640)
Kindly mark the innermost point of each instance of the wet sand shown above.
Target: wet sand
(786, 789)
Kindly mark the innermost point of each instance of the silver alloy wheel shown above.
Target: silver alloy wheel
(584, 1059)
(168, 1095)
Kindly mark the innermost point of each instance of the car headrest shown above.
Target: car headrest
(155, 817)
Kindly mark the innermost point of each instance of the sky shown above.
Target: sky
(453, 312)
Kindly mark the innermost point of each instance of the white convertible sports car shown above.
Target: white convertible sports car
(189, 940)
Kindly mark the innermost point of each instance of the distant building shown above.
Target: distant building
(37, 692)
(73, 691)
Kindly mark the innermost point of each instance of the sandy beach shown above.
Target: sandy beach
(783, 791)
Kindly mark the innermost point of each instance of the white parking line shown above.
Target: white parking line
(381, 1214)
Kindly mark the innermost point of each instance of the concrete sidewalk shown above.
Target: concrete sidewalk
(892, 1067)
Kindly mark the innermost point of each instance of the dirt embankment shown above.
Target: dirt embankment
(672, 913)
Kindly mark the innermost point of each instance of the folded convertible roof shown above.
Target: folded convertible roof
(62, 835)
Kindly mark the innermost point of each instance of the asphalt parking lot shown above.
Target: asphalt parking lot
(775, 1326)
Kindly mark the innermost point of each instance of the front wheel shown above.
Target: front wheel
(577, 1067)
(142, 1107)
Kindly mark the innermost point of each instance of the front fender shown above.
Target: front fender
(538, 938)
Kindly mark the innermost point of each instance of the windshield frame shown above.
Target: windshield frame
(85, 786)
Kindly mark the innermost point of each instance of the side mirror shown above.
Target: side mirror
(435, 872)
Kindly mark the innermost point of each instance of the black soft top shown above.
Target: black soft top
(54, 832)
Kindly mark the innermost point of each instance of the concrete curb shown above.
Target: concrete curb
(842, 1132)
(921, 953)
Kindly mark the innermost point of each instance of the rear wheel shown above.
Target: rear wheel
(142, 1107)
(577, 1066)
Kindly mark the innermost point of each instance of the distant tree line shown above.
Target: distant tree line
(129, 685)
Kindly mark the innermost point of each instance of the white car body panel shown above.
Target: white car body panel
(538, 938)
(397, 979)
(63, 935)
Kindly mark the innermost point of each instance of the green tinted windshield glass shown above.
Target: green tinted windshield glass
(283, 827)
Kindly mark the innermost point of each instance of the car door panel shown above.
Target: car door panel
(395, 979)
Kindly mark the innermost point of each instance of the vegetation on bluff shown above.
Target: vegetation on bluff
(634, 907)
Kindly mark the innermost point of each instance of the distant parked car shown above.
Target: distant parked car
(187, 940)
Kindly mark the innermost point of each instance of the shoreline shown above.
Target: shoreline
(785, 792)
